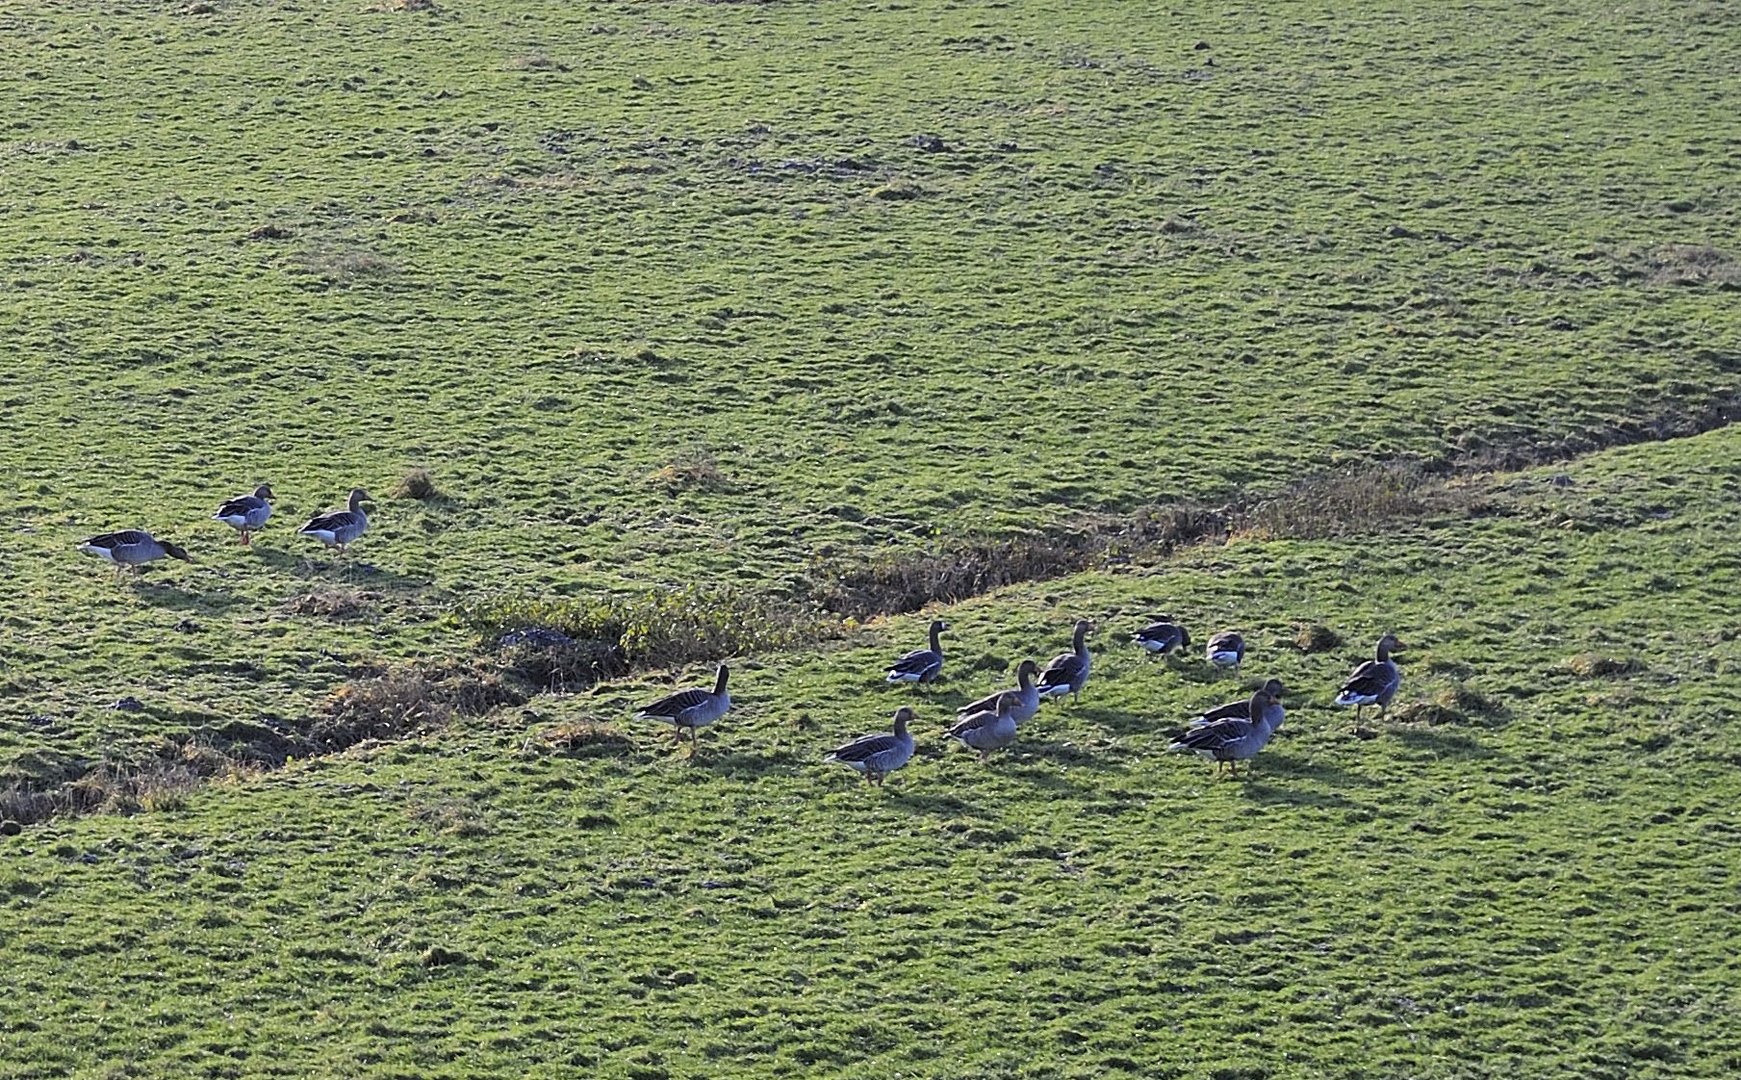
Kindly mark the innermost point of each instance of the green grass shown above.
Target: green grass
(1532, 875)
(687, 299)
(325, 244)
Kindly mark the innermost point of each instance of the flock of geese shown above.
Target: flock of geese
(1226, 735)
(129, 549)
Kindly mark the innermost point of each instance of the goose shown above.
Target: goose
(1024, 701)
(340, 527)
(691, 708)
(1068, 672)
(131, 549)
(1234, 738)
(876, 756)
(1163, 636)
(246, 513)
(1374, 682)
(1226, 649)
(921, 665)
(1234, 710)
(988, 730)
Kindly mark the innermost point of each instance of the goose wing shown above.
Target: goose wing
(241, 506)
(1160, 635)
(972, 722)
(334, 522)
(1233, 710)
(864, 747)
(109, 541)
(1064, 669)
(675, 704)
(987, 704)
(1211, 737)
(1369, 679)
(916, 662)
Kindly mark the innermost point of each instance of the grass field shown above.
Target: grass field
(711, 295)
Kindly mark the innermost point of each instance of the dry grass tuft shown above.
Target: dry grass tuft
(659, 628)
(533, 61)
(582, 739)
(908, 579)
(1315, 638)
(1469, 701)
(1597, 666)
(692, 469)
(898, 191)
(158, 784)
(342, 264)
(418, 484)
(1691, 264)
(1354, 500)
(335, 602)
(452, 817)
(1427, 712)
(393, 705)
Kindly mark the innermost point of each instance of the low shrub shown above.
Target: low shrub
(1353, 500)
(658, 628)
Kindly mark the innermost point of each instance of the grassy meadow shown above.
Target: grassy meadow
(674, 295)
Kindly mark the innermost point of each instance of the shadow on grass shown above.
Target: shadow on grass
(349, 568)
(924, 802)
(1069, 754)
(741, 763)
(1048, 780)
(1271, 792)
(1452, 744)
(1119, 723)
(1286, 765)
(176, 598)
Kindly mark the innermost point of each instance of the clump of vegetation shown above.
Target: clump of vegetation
(581, 739)
(451, 817)
(1690, 264)
(534, 61)
(657, 628)
(396, 703)
(1591, 665)
(418, 484)
(1468, 701)
(337, 264)
(1316, 638)
(691, 469)
(1433, 713)
(1352, 500)
(158, 783)
(479, 685)
(908, 579)
(898, 191)
(336, 602)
